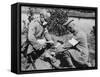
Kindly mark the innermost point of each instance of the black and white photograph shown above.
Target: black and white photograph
(49, 38)
(52, 38)
(57, 38)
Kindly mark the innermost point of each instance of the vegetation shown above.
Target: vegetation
(57, 19)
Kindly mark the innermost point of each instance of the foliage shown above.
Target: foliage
(57, 19)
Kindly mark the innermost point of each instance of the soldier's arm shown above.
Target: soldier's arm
(48, 36)
(82, 45)
(31, 34)
(40, 31)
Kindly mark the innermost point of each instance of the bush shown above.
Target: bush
(57, 19)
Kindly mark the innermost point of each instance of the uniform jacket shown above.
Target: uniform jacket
(34, 32)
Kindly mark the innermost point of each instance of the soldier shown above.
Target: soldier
(78, 47)
(74, 49)
(37, 36)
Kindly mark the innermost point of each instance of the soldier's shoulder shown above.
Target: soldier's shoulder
(81, 35)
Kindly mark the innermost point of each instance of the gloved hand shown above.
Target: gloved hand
(39, 46)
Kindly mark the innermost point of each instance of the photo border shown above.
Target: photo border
(53, 6)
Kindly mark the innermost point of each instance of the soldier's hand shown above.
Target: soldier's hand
(68, 45)
(38, 47)
(41, 46)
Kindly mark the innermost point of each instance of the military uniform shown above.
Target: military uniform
(34, 33)
(80, 52)
(65, 59)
